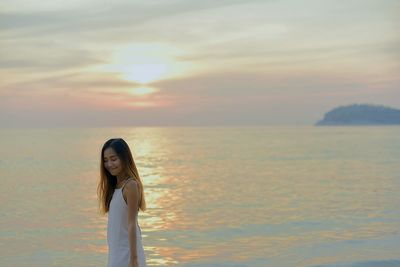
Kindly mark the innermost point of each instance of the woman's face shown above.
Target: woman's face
(112, 163)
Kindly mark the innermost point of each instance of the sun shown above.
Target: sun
(146, 72)
(145, 63)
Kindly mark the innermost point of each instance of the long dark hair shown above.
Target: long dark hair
(108, 182)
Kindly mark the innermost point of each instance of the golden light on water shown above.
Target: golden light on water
(157, 198)
(158, 195)
(151, 176)
(159, 259)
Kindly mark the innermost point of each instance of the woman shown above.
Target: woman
(120, 192)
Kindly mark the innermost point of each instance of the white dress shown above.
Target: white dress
(117, 233)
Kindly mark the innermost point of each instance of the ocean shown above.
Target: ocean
(301, 196)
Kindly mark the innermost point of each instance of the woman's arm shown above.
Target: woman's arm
(132, 197)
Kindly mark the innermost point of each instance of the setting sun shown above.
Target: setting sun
(146, 63)
(144, 73)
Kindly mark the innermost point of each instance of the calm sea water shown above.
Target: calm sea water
(246, 196)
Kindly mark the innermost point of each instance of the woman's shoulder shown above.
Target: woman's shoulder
(131, 190)
(131, 180)
(130, 183)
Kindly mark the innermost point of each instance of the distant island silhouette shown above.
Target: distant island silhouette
(361, 114)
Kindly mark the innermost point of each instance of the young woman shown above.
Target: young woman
(120, 192)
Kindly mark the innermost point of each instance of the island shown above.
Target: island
(361, 114)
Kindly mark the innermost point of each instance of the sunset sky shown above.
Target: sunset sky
(149, 63)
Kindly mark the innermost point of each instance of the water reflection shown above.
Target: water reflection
(238, 196)
(160, 216)
(159, 258)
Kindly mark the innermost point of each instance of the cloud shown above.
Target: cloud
(45, 56)
(248, 61)
(94, 17)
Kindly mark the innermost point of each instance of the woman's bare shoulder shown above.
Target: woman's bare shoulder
(130, 191)
(131, 185)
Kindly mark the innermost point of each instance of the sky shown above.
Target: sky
(120, 63)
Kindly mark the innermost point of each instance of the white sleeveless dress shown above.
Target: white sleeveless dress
(117, 234)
